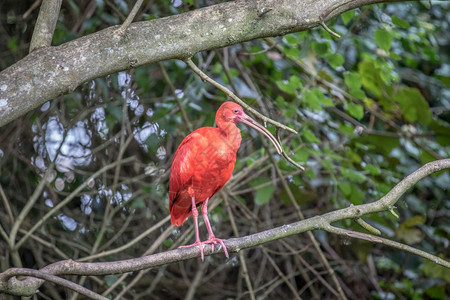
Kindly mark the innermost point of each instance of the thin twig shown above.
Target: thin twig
(367, 226)
(196, 282)
(281, 274)
(45, 24)
(173, 91)
(309, 233)
(130, 17)
(129, 244)
(241, 254)
(69, 198)
(6, 204)
(230, 94)
(12, 285)
(329, 30)
(384, 241)
(14, 272)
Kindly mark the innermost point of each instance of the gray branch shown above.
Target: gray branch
(49, 72)
(11, 285)
(45, 24)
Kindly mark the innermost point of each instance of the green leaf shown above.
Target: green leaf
(371, 78)
(290, 86)
(262, 194)
(436, 291)
(399, 22)
(353, 175)
(442, 131)
(347, 16)
(352, 80)
(358, 94)
(355, 110)
(335, 60)
(301, 155)
(312, 100)
(357, 196)
(293, 52)
(372, 169)
(408, 233)
(309, 136)
(291, 39)
(321, 48)
(383, 144)
(413, 105)
(138, 203)
(414, 221)
(383, 38)
(13, 44)
(434, 270)
(345, 187)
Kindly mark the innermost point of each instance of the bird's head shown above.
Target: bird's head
(230, 112)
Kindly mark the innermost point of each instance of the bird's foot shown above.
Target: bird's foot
(212, 241)
(198, 244)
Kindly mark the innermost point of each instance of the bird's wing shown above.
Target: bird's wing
(183, 163)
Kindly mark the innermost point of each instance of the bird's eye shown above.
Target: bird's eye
(235, 111)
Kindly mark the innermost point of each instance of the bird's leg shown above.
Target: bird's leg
(197, 234)
(211, 237)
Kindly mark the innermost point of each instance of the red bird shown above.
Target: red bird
(203, 163)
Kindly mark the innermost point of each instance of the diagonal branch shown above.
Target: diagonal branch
(45, 24)
(235, 98)
(49, 72)
(9, 283)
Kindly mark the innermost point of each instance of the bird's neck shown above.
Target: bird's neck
(231, 133)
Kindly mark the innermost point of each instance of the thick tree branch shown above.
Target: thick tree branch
(53, 71)
(45, 24)
(10, 284)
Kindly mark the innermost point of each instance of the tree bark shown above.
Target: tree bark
(49, 72)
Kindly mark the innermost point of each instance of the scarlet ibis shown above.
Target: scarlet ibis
(203, 163)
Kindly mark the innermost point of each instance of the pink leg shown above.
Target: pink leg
(211, 237)
(197, 234)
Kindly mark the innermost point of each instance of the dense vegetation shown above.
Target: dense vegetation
(370, 108)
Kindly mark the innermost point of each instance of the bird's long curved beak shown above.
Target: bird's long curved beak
(243, 118)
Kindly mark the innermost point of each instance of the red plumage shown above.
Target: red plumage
(202, 165)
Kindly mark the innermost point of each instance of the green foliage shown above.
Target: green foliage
(263, 194)
(383, 38)
(413, 105)
(369, 108)
(347, 16)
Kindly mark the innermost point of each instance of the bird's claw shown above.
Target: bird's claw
(212, 241)
(198, 244)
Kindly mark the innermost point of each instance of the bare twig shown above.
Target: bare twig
(235, 98)
(381, 240)
(6, 204)
(9, 284)
(177, 98)
(130, 17)
(241, 255)
(68, 199)
(58, 280)
(45, 24)
(230, 94)
(327, 29)
(367, 226)
(311, 236)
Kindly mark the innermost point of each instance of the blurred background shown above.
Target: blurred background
(370, 108)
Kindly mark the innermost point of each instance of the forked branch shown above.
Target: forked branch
(11, 285)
